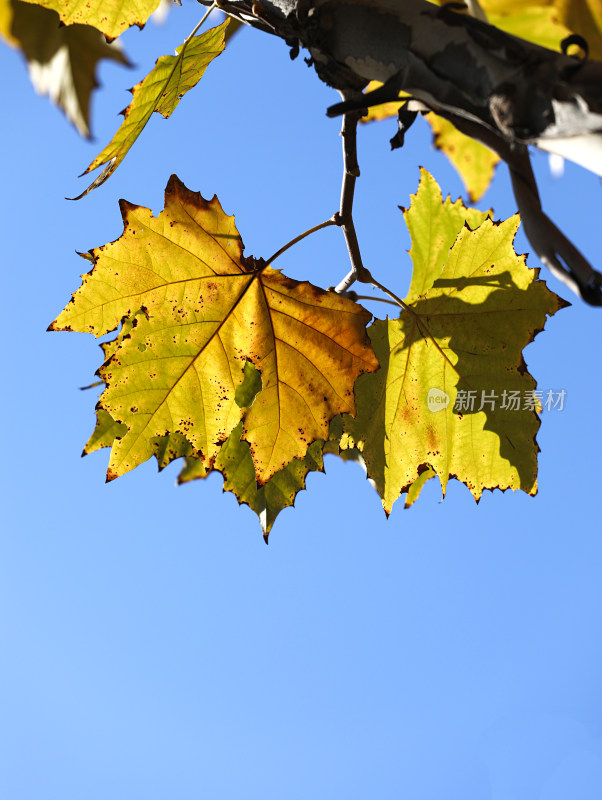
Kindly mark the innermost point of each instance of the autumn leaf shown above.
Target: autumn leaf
(234, 460)
(111, 17)
(61, 60)
(206, 311)
(235, 463)
(160, 91)
(473, 308)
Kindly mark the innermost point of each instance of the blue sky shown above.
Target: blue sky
(152, 646)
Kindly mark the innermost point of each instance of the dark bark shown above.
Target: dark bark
(503, 91)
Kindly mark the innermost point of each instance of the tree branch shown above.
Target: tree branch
(351, 173)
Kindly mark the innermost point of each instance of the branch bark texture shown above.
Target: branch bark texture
(501, 90)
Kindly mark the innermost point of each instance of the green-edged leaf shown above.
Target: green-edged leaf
(105, 432)
(61, 60)
(464, 333)
(206, 311)
(236, 465)
(160, 91)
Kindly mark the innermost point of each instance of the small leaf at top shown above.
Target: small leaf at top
(160, 91)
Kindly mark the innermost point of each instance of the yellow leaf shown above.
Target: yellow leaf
(111, 17)
(451, 366)
(160, 91)
(61, 60)
(206, 311)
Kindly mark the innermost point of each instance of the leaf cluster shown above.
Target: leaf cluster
(222, 361)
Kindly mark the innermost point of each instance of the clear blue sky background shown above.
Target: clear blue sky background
(152, 646)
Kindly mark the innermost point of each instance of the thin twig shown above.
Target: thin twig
(351, 172)
(332, 221)
(376, 299)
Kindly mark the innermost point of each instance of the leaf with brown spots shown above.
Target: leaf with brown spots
(206, 311)
(111, 17)
(452, 367)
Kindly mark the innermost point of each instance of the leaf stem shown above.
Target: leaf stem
(421, 326)
(205, 15)
(375, 299)
(332, 221)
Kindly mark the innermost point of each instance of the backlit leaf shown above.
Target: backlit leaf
(206, 311)
(61, 60)
(111, 17)
(160, 91)
(464, 333)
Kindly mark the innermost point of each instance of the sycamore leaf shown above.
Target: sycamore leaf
(206, 311)
(160, 91)
(452, 369)
(111, 17)
(61, 60)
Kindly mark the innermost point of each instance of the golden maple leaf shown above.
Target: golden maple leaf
(199, 311)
